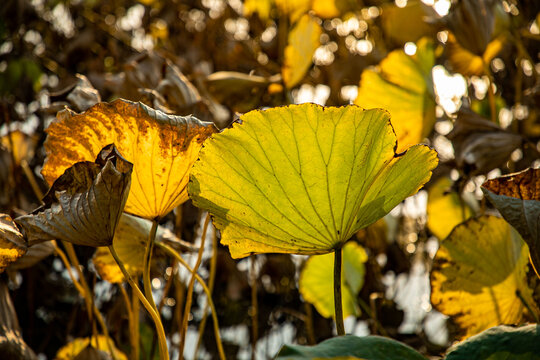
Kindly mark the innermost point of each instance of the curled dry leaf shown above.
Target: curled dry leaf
(304, 178)
(80, 96)
(35, 254)
(479, 274)
(72, 349)
(479, 144)
(161, 147)
(83, 205)
(12, 243)
(517, 197)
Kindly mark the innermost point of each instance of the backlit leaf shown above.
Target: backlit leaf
(161, 147)
(445, 208)
(366, 347)
(261, 7)
(316, 282)
(12, 243)
(293, 8)
(403, 85)
(73, 348)
(500, 342)
(517, 197)
(303, 41)
(83, 205)
(477, 272)
(303, 178)
(129, 242)
(408, 23)
(23, 145)
(467, 63)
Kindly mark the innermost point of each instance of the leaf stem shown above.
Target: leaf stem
(189, 295)
(207, 291)
(254, 306)
(147, 265)
(338, 303)
(163, 350)
(211, 280)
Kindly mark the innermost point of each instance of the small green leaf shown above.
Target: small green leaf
(368, 347)
(304, 179)
(500, 343)
(317, 280)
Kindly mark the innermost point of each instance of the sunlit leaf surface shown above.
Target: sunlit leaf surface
(316, 282)
(12, 243)
(20, 144)
(83, 205)
(500, 342)
(477, 272)
(445, 209)
(408, 23)
(303, 178)
(161, 147)
(293, 8)
(366, 347)
(303, 41)
(517, 197)
(467, 63)
(403, 85)
(261, 7)
(72, 349)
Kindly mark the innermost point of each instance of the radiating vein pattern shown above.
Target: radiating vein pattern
(161, 147)
(300, 179)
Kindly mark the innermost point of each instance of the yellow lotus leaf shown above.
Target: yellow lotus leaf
(325, 9)
(477, 274)
(467, 63)
(316, 282)
(445, 209)
(304, 178)
(129, 242)
(12, 243)
(73, 348)
(261, 7)
(403, 85)
(293, 8)
(302, 43)
(408, 23)
(161, 147)
(20, 144)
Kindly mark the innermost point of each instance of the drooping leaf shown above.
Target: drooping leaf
(73, 348)
(129, 242)
(303, 178)
(477, 272)
(83, 205)
(500, 342)
(302, 43)
(161, 147)
(403, 85)
(517, 197)
(445, 208)
(367, 347)
(408, 23)
(316, 282)
(12, 243)
(35, 254)
(467, 63)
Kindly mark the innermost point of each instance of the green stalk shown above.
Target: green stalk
(207, 291)
(338, 303)
(163, 350)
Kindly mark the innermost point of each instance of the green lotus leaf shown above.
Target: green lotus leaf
(317, 280)
(367, 347)
(499, 343)
(303, 178)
